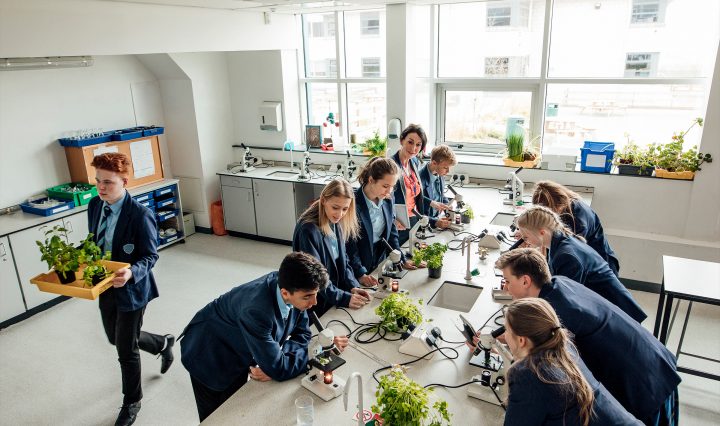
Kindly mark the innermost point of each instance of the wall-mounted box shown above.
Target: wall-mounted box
(271, 116)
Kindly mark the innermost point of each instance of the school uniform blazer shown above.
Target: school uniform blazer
(533, 402)
(586, 223)
(625, 357)
(309, 238)
(431, 194)
(361, 252)
(400, 189)
(243, 328)
(576, 260)
(134, 242)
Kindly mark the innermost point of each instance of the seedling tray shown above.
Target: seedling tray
(49, 282)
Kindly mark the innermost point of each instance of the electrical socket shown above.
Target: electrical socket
(335, 168)
(454, 178)
(463, 178)
(258, 161)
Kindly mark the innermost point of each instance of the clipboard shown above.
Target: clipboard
(401, 214)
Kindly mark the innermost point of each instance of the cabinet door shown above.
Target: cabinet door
(239, 209)
(77, 227)
(27, 258)
(274, 208)
(11, 301)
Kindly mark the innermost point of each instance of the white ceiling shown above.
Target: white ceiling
(280, 6)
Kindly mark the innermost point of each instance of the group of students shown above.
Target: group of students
(581, 355)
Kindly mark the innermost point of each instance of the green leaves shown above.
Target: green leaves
(376, 145)
(432, 254)
(57, 252)
(515, 146)
(397, 312)
(402, 401)
(670, 156)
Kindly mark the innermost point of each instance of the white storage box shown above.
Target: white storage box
(189, 221)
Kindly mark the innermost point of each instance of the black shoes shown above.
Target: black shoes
(128, 414)
(166, 354)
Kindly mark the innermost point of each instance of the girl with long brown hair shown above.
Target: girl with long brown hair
(576, 215)
(568, 255)
(548, 383)
(322, 231)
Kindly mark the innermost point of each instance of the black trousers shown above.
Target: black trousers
(123, 331)
(208, 400)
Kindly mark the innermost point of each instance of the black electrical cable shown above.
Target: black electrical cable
(341, 323)
(440, 385)
(437, 349)
(451, 342)
(379, 333)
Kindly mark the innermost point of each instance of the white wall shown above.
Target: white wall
(39, 106)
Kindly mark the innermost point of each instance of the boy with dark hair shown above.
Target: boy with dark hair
(259, 328)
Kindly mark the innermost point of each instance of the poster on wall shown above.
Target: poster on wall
(142, 158)
(313, 136)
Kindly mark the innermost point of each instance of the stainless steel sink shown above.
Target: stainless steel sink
(283, 174)
(456, 296)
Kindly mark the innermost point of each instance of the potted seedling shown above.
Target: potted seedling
(397, 312)
(402, 401)
(467, 214)
(433, 255)
(92, 256)
(634, 160)
(59, 255)
(517, 154)
(671, 162)
(375, 146)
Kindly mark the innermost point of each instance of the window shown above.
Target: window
(598, 78)
(641, 64)
(324, 27)
(646, 12)
(359, 105)
(371, 67)
(370, 23)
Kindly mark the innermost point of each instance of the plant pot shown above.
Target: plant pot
(68, 278)
(96, 279)
(530, 164)
(434, 272)
(662, 173)
(465, 218)
(631, 169)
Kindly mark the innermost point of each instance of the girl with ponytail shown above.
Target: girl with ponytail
(548, 383)
(568, 255)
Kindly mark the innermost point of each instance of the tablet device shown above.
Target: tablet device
(401, 214)
(468, 331)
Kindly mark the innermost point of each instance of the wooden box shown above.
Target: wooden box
(50, 283)
(144, 155)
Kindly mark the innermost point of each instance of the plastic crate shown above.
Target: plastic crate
(597, 156)
(80, 198)
(166, 240)
(105, 137)
(163, 215)
(164, 191)
(127, 134)
(143, 197)
(149, 203)
(63, 206)
(151, 131)
(165, 202)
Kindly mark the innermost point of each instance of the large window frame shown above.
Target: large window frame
(340, 80)
(538, 86)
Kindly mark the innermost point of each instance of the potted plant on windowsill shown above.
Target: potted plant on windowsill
(433, 255)
(671, 162)
(517, 154)
(59, 255)
(402, 401)
(374, 147)
(633, 160)
(397, 312)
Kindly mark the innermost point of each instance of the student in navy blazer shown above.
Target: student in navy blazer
(548, 384)
(121, 225)
(258, 329)
(376, 212)
(432, 176)
(569, 256)
(322, 231)
(576, 215)
(633, 365)
(409, 189)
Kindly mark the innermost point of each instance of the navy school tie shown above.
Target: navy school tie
(103, 227)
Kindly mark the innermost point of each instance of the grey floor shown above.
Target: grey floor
(56, 368)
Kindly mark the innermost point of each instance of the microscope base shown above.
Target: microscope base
(247, 169)
(383, 293)
(395, 274)
(485, 393)
(493, 364)
(314, 383)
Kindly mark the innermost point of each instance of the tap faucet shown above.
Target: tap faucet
(346, 393)
(467, 243)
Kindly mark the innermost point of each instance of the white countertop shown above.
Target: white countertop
(316, 177)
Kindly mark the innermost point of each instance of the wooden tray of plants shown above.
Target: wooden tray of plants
(49, 282)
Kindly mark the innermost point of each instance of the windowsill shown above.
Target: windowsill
(301, 149)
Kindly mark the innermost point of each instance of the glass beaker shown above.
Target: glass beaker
(304, 410)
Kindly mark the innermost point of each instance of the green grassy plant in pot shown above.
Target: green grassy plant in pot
(402, 401)
(59, 255)
(92, 255)
(433, 255)
(397, 312)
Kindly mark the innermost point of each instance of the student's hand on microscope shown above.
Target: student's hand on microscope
(341, 342)
(368, 281)
(359, 298)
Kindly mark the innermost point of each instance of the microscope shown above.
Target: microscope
(323, 361)
(247, 160)
(455, 215)
(349, 169)
(515, 186)
(392, 267)
(419, 231)
(491, 384)
(305, 167)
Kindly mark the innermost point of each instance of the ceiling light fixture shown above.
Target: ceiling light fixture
(11, 64)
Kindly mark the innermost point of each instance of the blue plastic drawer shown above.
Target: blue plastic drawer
(166, 240)
(63, 206)
(143, 197)
(163, 215)
(165, 202)
(149, 203)
(597, 156)
(105, 137)
(127, 134)
(164, 191)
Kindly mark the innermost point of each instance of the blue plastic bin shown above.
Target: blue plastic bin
(105, 137)
(143, 197)
(597, 156)
(66, 205)
(127, 134)
(151, 131)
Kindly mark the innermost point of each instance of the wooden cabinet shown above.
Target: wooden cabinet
(274, 208)
(11, 300)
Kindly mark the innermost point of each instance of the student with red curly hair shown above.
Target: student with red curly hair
(128, 230)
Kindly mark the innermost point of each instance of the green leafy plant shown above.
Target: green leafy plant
(634, 155)
(468, 212)
(376, 145)
(397, 312)
(59, 255)
(432, 254)
(92, 255)
(671, 157)
(402, 401)
(93, 274)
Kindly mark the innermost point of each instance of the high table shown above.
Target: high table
(691, 280)
(273, 402)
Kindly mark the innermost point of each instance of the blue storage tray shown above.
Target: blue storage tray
(66, 205)
(149, 203)
(143, 197)
(152, 131)
(163, 191)
(165, 240)
(85, 142)
(597, 156)
(127, 134)
(166, 202)
(163, 215)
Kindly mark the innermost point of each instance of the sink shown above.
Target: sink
(503, 219)
(283, 174)
(455, 296)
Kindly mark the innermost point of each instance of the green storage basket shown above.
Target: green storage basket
(80, 197)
